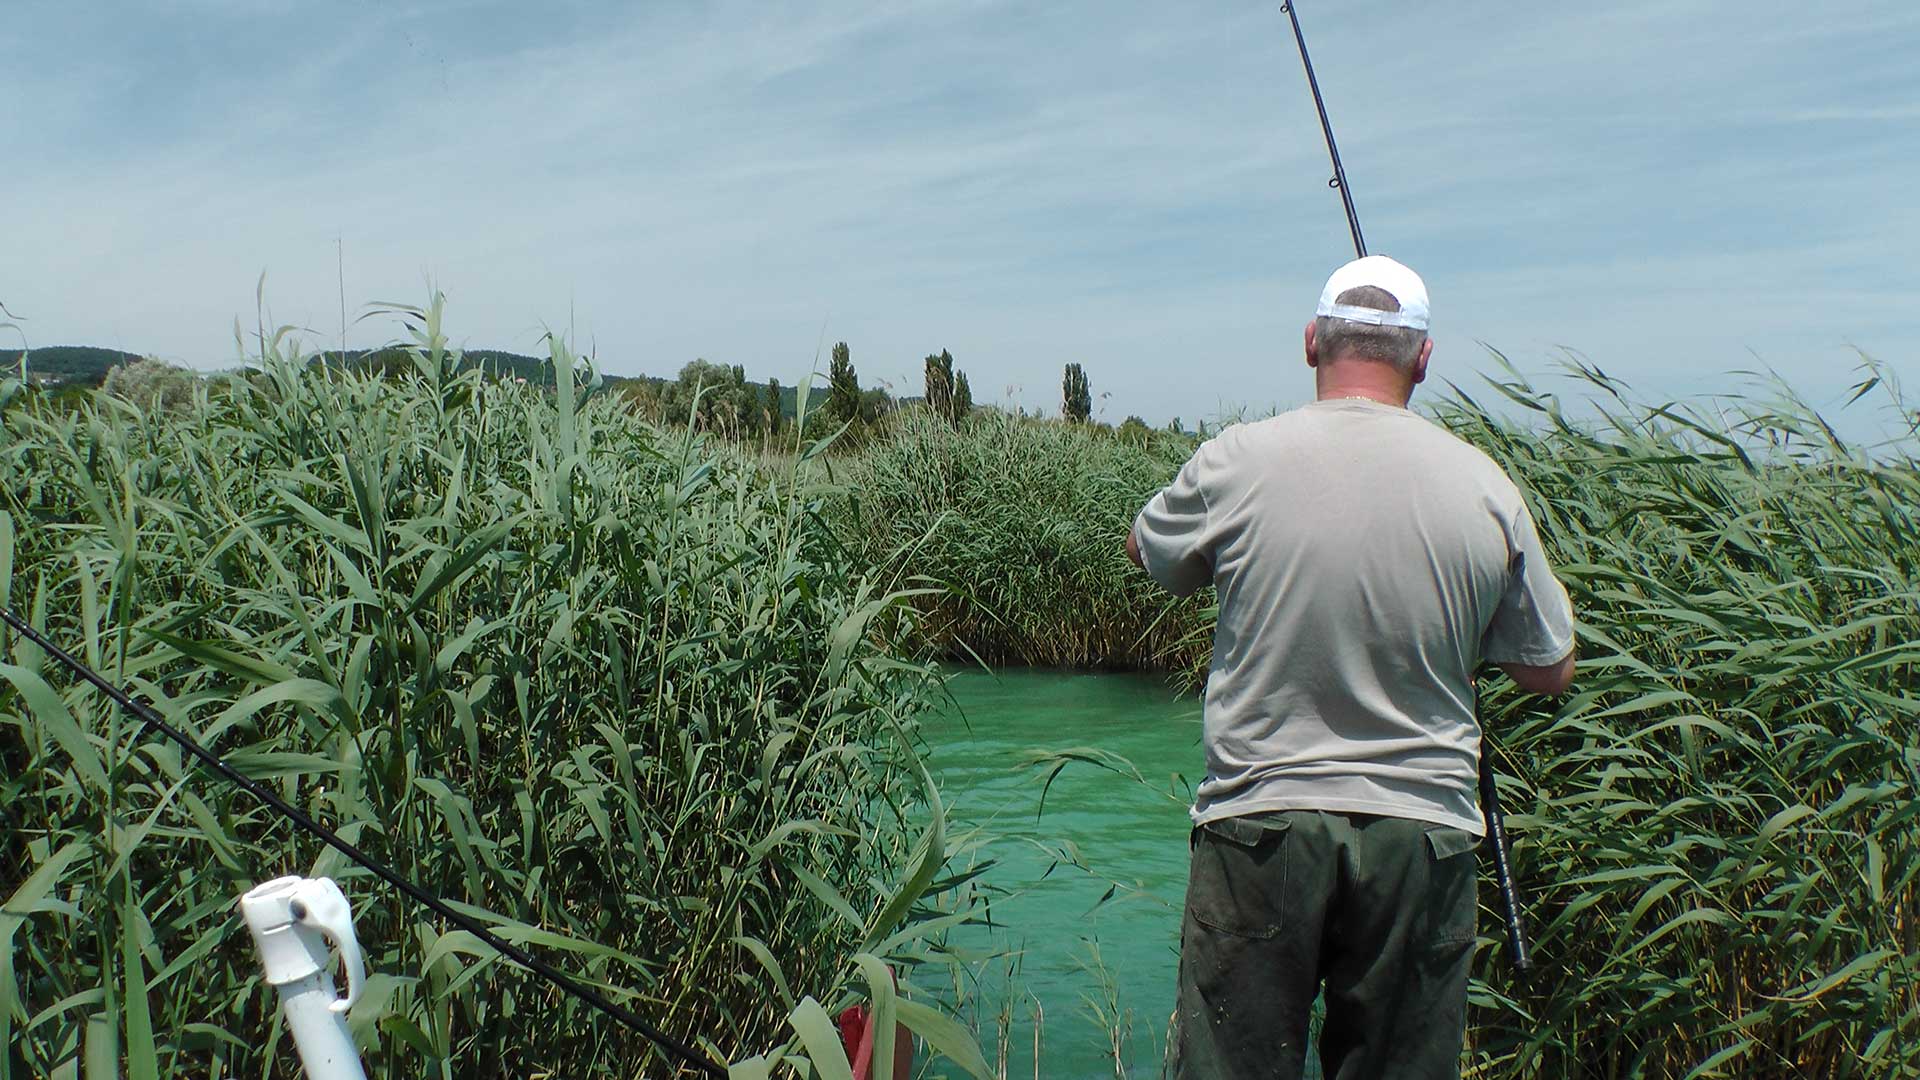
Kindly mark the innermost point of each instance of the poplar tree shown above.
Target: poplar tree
(744, 414)
(1076, 398)
(843, 386)
(773, 407)
(962, 397)
(940, 384)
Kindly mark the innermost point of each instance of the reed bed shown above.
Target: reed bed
(1717, 832)
(621, 697)
(648, 703)
(1718, 828)
(1015, 523)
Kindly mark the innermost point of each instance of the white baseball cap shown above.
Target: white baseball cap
(1382, 273)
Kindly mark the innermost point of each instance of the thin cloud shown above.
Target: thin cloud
(1135, 187)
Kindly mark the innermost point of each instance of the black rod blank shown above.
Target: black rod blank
(1502, 868)
(1339, 180)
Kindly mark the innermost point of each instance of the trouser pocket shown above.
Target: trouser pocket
(1237, 883)
(1451, 907)
(1247, 978)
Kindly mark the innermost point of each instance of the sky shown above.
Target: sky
(1677, 190)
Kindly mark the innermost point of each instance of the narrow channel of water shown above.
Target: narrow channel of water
(1092, 885)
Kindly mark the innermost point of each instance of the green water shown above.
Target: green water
(1091, 886)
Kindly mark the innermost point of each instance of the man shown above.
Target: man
(1367, 563)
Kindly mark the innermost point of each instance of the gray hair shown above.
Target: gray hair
(1340, 339)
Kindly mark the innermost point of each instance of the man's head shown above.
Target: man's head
(1369, 333)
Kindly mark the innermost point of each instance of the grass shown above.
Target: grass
(624, 699)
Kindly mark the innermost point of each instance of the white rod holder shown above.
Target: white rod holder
(295, 921)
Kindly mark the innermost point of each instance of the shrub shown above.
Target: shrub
(151, 383)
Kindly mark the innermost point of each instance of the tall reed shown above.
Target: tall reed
(625, 700)
(1718, 829)
(1017, 522)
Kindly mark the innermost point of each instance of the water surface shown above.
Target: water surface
(1091, 886)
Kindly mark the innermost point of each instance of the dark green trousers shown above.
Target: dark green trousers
(1380, 909)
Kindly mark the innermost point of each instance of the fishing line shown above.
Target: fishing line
(559, 979)
(1489, 795)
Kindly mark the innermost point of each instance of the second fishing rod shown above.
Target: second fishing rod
(1517, 945)
(680, 1051)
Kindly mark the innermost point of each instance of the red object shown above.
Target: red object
(856, 1037)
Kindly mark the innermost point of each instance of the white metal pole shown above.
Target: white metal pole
(294, 920)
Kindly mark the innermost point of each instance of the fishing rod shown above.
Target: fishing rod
(144, 713)
(1339, 179)
(1497, 846)
(1489, 795)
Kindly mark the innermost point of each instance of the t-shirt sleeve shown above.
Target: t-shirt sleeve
(1174, 533)
(1534, 623)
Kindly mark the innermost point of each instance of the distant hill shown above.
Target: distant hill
(84, 365)
(87, 364)
(538, 369)
(496, 362)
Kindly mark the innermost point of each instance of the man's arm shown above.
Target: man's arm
(1535, 618)
(1172, 538)
(1546, 679)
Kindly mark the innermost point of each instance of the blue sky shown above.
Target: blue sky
(1676, 189)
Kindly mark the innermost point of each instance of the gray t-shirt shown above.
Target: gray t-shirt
(1367, 562)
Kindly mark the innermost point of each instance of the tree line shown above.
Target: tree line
(709, 396)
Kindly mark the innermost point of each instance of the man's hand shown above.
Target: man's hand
(1548, 679)
(1133, 549)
